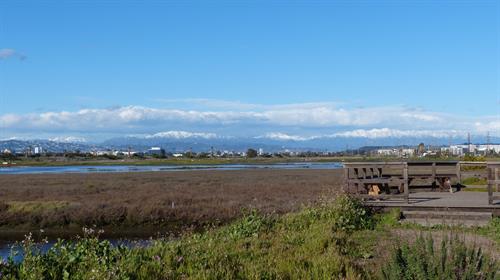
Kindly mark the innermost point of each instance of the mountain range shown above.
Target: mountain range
(179, 141)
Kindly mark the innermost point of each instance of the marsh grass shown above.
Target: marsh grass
(36, 206)
(333, 240)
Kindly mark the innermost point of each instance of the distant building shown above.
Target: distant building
(387, 152)
(157, 151)
(397, 152)
(406, 152)
(37, 150)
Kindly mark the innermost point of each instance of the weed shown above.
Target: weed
(452, 260)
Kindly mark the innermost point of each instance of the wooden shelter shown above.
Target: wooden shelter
(383, 180)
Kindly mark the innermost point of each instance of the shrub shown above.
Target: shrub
(349, 214)
(453, 260)
(250, 225)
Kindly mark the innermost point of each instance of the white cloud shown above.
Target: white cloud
(374, 122)
(180, 135)
(6, 53)
(396, 133)
(492, 126)
(285, 137)
(68, 139)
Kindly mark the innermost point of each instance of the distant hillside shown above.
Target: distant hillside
(203, 143)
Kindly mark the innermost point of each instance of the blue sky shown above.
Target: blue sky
(248, 68)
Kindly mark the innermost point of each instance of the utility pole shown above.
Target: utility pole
(488, 142)
(468, 143)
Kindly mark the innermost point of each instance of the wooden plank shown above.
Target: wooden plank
(424, 176)
(380, 196)
(497, 182)
(346, 179)
(377, 181)
(490, 185)
(374, 163)
(406, 186)
(430, 163)
(433, 172)
(494, 182)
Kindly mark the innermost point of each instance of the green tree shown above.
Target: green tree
(251, 153)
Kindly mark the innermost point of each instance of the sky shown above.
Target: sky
(278, 69)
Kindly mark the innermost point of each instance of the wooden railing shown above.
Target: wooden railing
(493, 169)
(361, 175)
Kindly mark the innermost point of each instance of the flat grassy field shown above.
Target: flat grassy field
(160, 200)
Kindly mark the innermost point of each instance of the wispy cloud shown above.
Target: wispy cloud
(279, 136)
(397, 133)
(176, 134)
(322, 119)
(68, 139)
(375, 133)
(8, 53)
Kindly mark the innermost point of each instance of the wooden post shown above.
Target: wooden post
(496, 178)
(491, 169)
(459, 173)
(433, 172)
(406, 187)
(346, 179)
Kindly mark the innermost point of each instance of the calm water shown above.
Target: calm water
(8, 247)
(147, 168)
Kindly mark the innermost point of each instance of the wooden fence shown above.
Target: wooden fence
(394, 179)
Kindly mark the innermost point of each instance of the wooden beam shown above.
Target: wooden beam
(497, 182)
(433, 172)
(490, 184)
(405, 186)
(380, 196)
(494, 182)
(377, 181)
(346, 180)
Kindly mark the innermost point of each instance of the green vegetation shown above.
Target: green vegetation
(35, 206)
(334, 240)
(453, 260)
(468, 189)
(475, 181)
(469, 157)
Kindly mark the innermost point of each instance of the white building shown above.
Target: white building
(387, 152)
(485, 148)
(407, 152)
(37, 150)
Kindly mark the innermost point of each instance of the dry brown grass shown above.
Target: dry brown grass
(156, 198)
